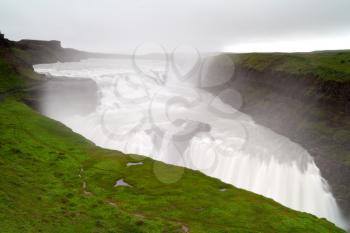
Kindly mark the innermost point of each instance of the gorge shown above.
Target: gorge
(229, 146)
(77, 185)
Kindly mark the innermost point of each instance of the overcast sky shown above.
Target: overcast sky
(209, 25)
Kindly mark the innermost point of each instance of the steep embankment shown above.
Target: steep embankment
(306, 97)
(53, 180)
(56, 181)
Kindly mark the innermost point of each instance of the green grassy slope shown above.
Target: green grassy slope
(15, 73)
(9, 77)
(328, 65)
(53, 180)
(44, 166)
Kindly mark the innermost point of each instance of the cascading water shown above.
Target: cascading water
(190, 127)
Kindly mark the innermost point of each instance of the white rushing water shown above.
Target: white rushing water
(187, 126)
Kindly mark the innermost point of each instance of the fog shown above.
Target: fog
(119, 26)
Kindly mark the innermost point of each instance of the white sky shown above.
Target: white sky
(209, 25)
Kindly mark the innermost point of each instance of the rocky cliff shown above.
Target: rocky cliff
(308, 106)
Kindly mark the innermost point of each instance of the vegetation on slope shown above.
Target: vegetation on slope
(15, 73)
(328, 65)
(10, 78)
(53, 180)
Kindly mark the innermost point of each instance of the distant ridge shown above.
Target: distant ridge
(42, 51)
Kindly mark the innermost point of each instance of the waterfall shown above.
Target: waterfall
(192, 128)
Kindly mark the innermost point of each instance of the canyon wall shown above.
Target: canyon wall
(309, 111)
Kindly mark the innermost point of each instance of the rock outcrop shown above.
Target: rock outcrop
(4, 42)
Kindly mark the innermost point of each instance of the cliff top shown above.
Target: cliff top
(51, 43)
(324, 65)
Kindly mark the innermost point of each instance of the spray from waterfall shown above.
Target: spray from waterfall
(161, 109)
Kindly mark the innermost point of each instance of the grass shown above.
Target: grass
(327, 66)
(44, 166)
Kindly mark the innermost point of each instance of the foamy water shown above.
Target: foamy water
(187, 126)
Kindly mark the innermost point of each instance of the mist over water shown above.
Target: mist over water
(143, 112)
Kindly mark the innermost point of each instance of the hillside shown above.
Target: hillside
(56, 181)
